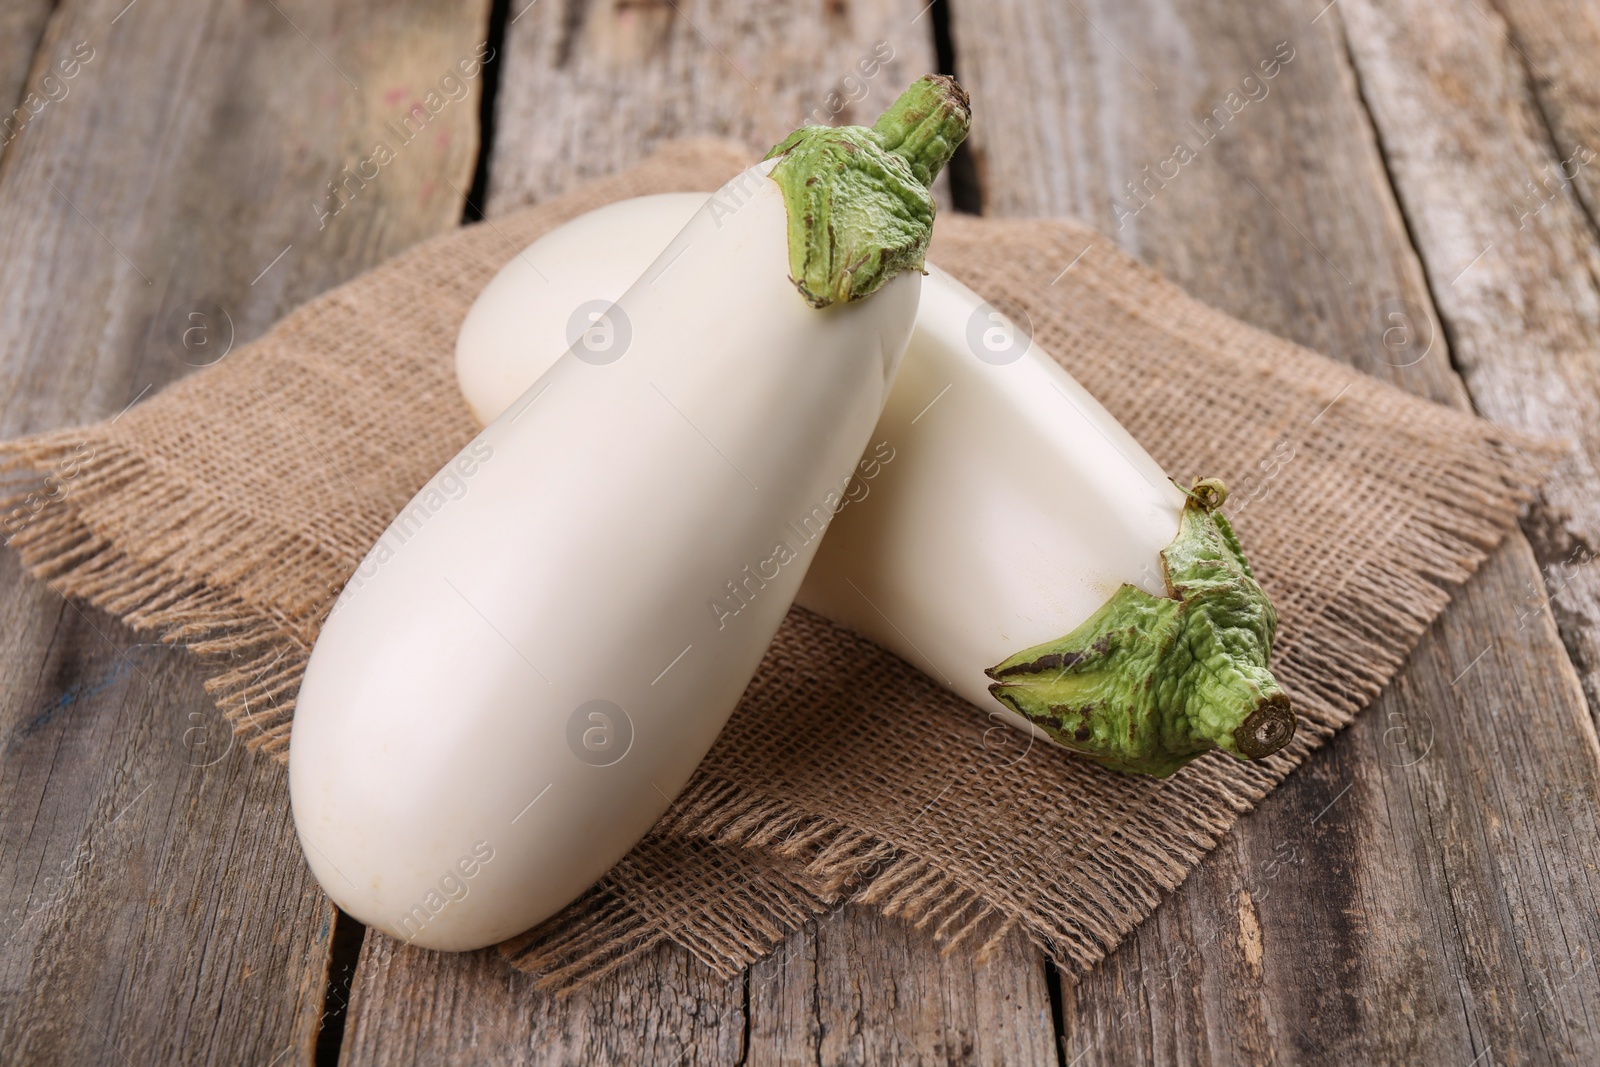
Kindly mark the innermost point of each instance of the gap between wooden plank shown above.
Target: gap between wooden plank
(344, 953)
(472, 210)
(966, 194)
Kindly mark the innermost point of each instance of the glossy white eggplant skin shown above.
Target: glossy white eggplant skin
(512, 334)
(1014, 507)
(575, 552)
(1014, 504)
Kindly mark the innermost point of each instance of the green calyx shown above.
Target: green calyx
(858, 202)
(1148, 683)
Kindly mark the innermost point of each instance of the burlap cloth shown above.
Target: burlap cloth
(227, 511)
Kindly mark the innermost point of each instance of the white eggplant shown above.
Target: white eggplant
(528, 665)
(1000, 508)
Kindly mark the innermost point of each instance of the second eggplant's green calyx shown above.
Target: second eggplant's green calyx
(859, 207)
(1148, 683)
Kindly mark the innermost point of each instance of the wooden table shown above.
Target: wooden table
(1423, 891)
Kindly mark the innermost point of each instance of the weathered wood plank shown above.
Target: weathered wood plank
(588, 89)
(1492, 180)
(191, 155)
(858, 988)
(21, 26)
(1555, 42)
(410, 1005)
(1438, 893)
(156, 908)
(1264, 222)
(852, 988)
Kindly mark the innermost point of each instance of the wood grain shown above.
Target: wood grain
(22, 23)
(1381, 907)
(409, 1005)
(1491, 180)
(156, 908)
(1554, 42)
(852, 988)
(858, 988)
(589, 87)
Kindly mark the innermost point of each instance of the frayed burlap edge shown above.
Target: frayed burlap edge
(254, 661)
(609, 925)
